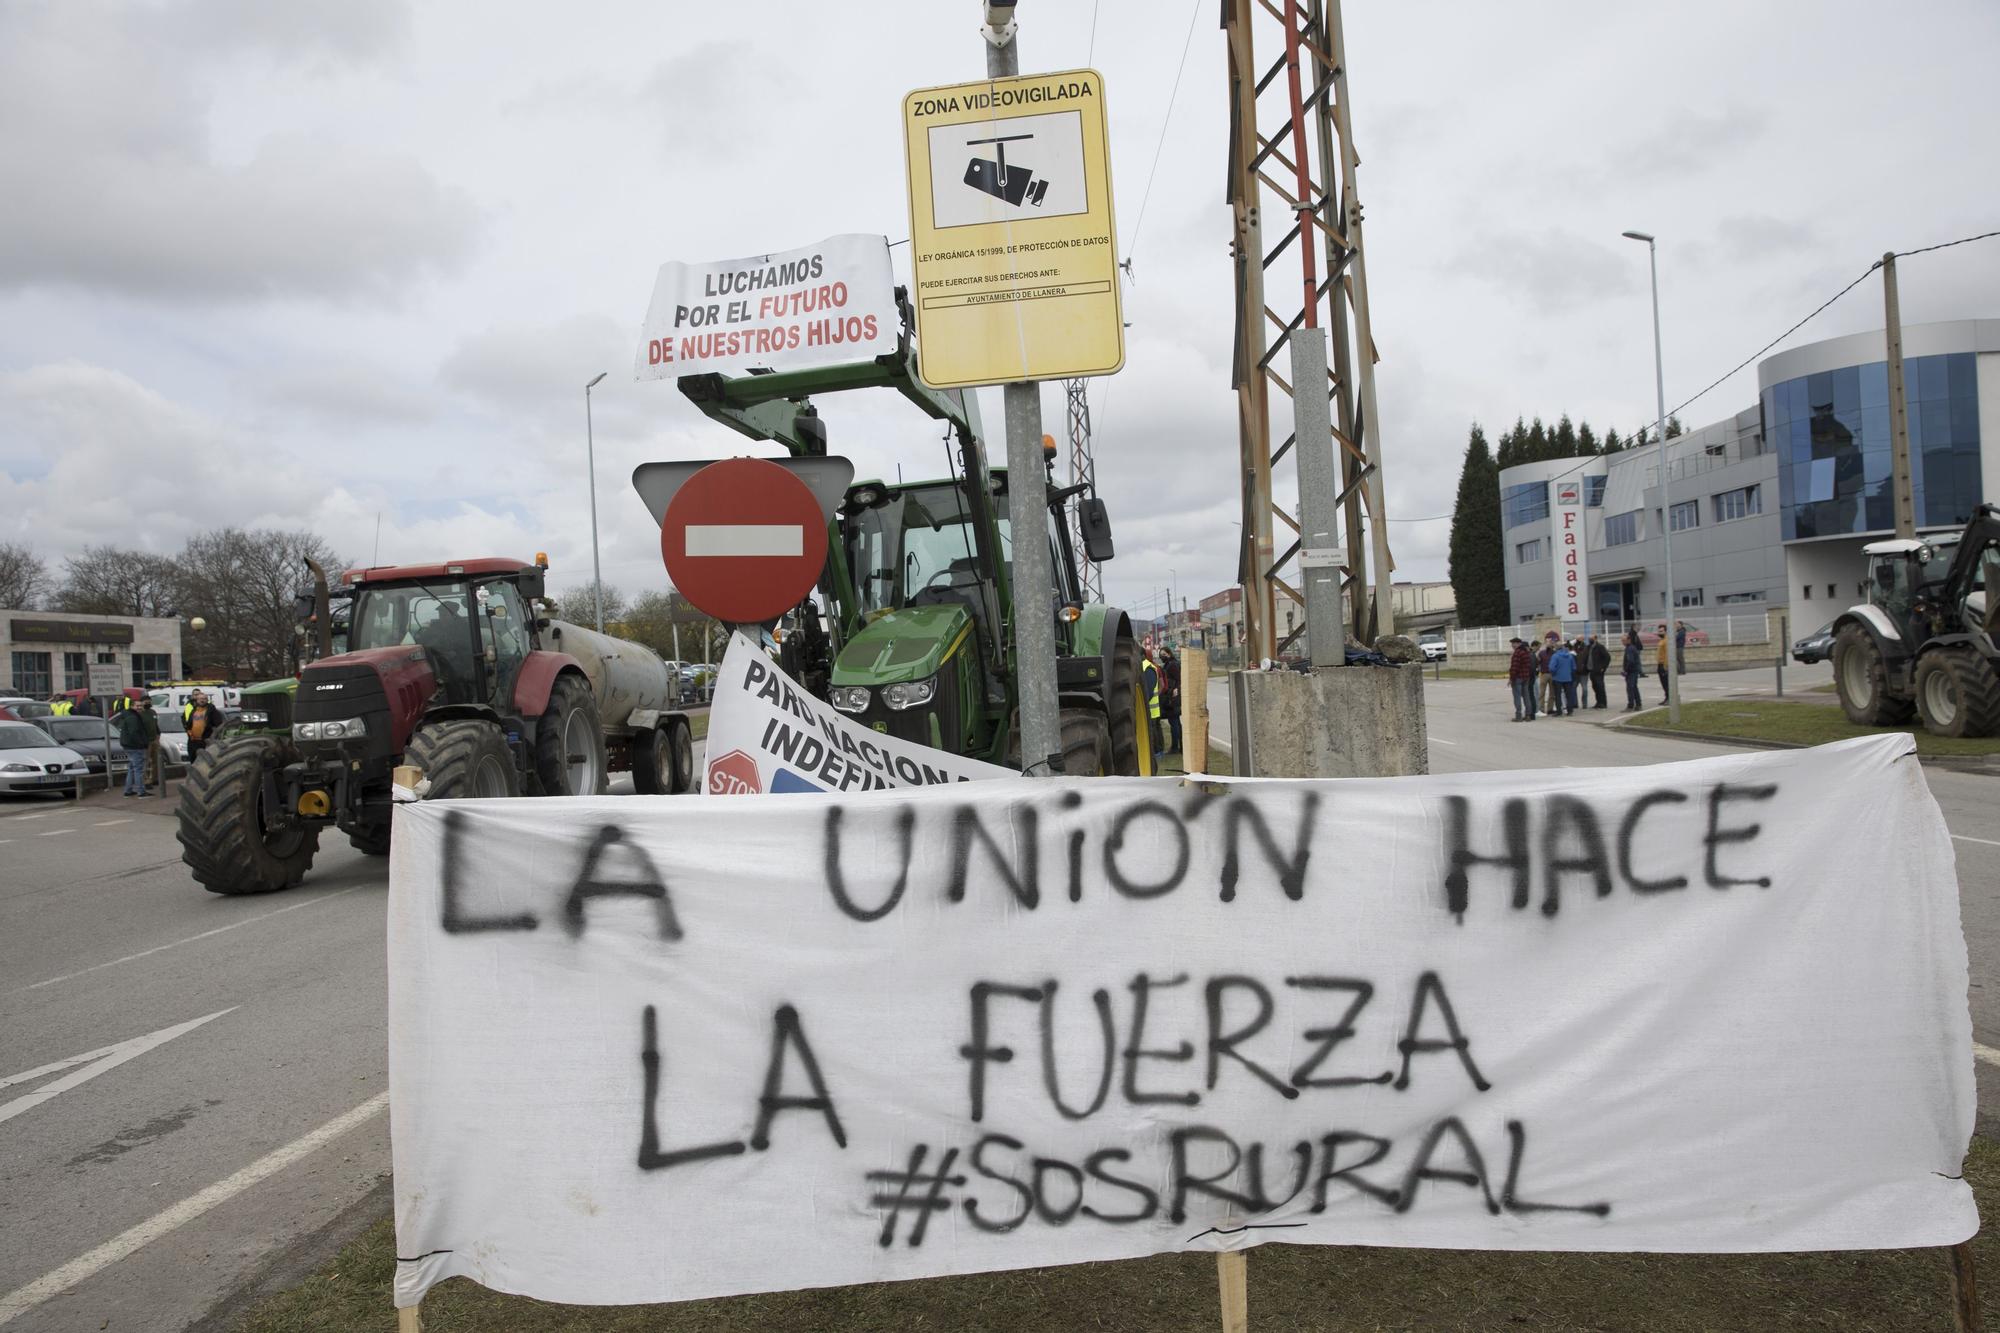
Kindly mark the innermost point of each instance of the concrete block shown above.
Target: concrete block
(1336, 722)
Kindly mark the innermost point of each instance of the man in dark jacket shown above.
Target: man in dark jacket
(134, 737)
(1521, 679)
(1597, 661)
(1170, 698)
(1632, 668)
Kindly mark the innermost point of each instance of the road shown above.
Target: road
(273, 1100)
(192, 1088)
(1472, 729)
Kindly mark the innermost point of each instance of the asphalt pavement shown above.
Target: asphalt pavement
(192, 1087)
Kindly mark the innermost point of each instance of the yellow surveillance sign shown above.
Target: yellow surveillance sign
(1012, 248)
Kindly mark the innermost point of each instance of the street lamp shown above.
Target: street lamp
(590, 444)
(1666, 505)
(1174, 595)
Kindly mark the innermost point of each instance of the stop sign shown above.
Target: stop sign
(734, 774)
(744, 540)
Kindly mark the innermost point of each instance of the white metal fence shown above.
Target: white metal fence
(1714, 627)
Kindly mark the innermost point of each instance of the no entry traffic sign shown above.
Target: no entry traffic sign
(744, 540)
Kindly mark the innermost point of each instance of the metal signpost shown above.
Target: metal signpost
(1014, 261)
(106, 683)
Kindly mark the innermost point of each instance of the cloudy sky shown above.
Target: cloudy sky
(311, 265)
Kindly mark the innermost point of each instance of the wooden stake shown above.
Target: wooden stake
(1194, 709)
(1232, 1278)
(409, 1320)
(1964, 1290)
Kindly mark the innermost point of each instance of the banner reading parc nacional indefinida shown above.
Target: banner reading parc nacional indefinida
(657, 1049)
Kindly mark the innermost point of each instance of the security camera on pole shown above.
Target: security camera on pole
(1014, 257)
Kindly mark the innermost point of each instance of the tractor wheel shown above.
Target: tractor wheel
(683, 752)
(653, 767)
(370, 841)
(222, 833)
(463, 758)
(1858, 675)
(1132, 752)
(569, 742)
(1958, 693)
(1086, 743)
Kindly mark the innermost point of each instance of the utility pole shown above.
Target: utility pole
(590, 444)
(1305, 166)
(1904, 499)
(1082, 472)
(1027, 507)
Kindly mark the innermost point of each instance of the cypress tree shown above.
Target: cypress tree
(1563, 441)
(1586, 441)
(1612, 444)
(1478, 579)
(1674, 427)
(1538, 443)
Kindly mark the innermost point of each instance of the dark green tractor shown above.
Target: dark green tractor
(916, 639)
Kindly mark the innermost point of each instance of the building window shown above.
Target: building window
(1805, 592)
(1685, 515)
(1737, 598)
(76, 671)
(107, 659)
(1526, 553)
(1831, 594)
(1622, 529)
(31, 675)
(152, 668)
(1732, 505)
(1687, 597)
(1524, 503)
(1831, 433)
(1593, 491)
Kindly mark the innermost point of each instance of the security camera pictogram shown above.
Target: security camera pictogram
(1015, 184)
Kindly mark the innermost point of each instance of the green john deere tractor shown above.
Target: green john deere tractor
(917, 638)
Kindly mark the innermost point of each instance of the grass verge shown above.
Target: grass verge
(1796, 723)
(1291, 1287)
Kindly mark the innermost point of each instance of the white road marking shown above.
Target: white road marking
(745, 539)
(175, 944)
(23, 1299)
(107, 823)
(1439, 740)
(1983, 842)
(1986, 1053)
(55, 833)
(103, 1061)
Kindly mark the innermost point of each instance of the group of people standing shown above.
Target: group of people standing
(1553, 674)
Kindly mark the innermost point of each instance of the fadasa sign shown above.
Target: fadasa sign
(671, 1049)
(1566, 529)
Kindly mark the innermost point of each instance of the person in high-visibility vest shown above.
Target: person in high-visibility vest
(61, 707)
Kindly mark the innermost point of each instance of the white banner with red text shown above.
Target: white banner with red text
(653, 1049)
(821, 305)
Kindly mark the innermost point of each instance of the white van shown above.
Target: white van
(173, 698)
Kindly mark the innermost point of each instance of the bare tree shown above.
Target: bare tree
(105, 581)
(576, 603)
(24, 577)
(242, 584)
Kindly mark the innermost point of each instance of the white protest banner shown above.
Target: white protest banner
(1566, 532)
(766, 733)
(657, 1050)
(824, 304)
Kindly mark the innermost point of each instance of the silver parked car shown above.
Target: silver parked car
(30, 760)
